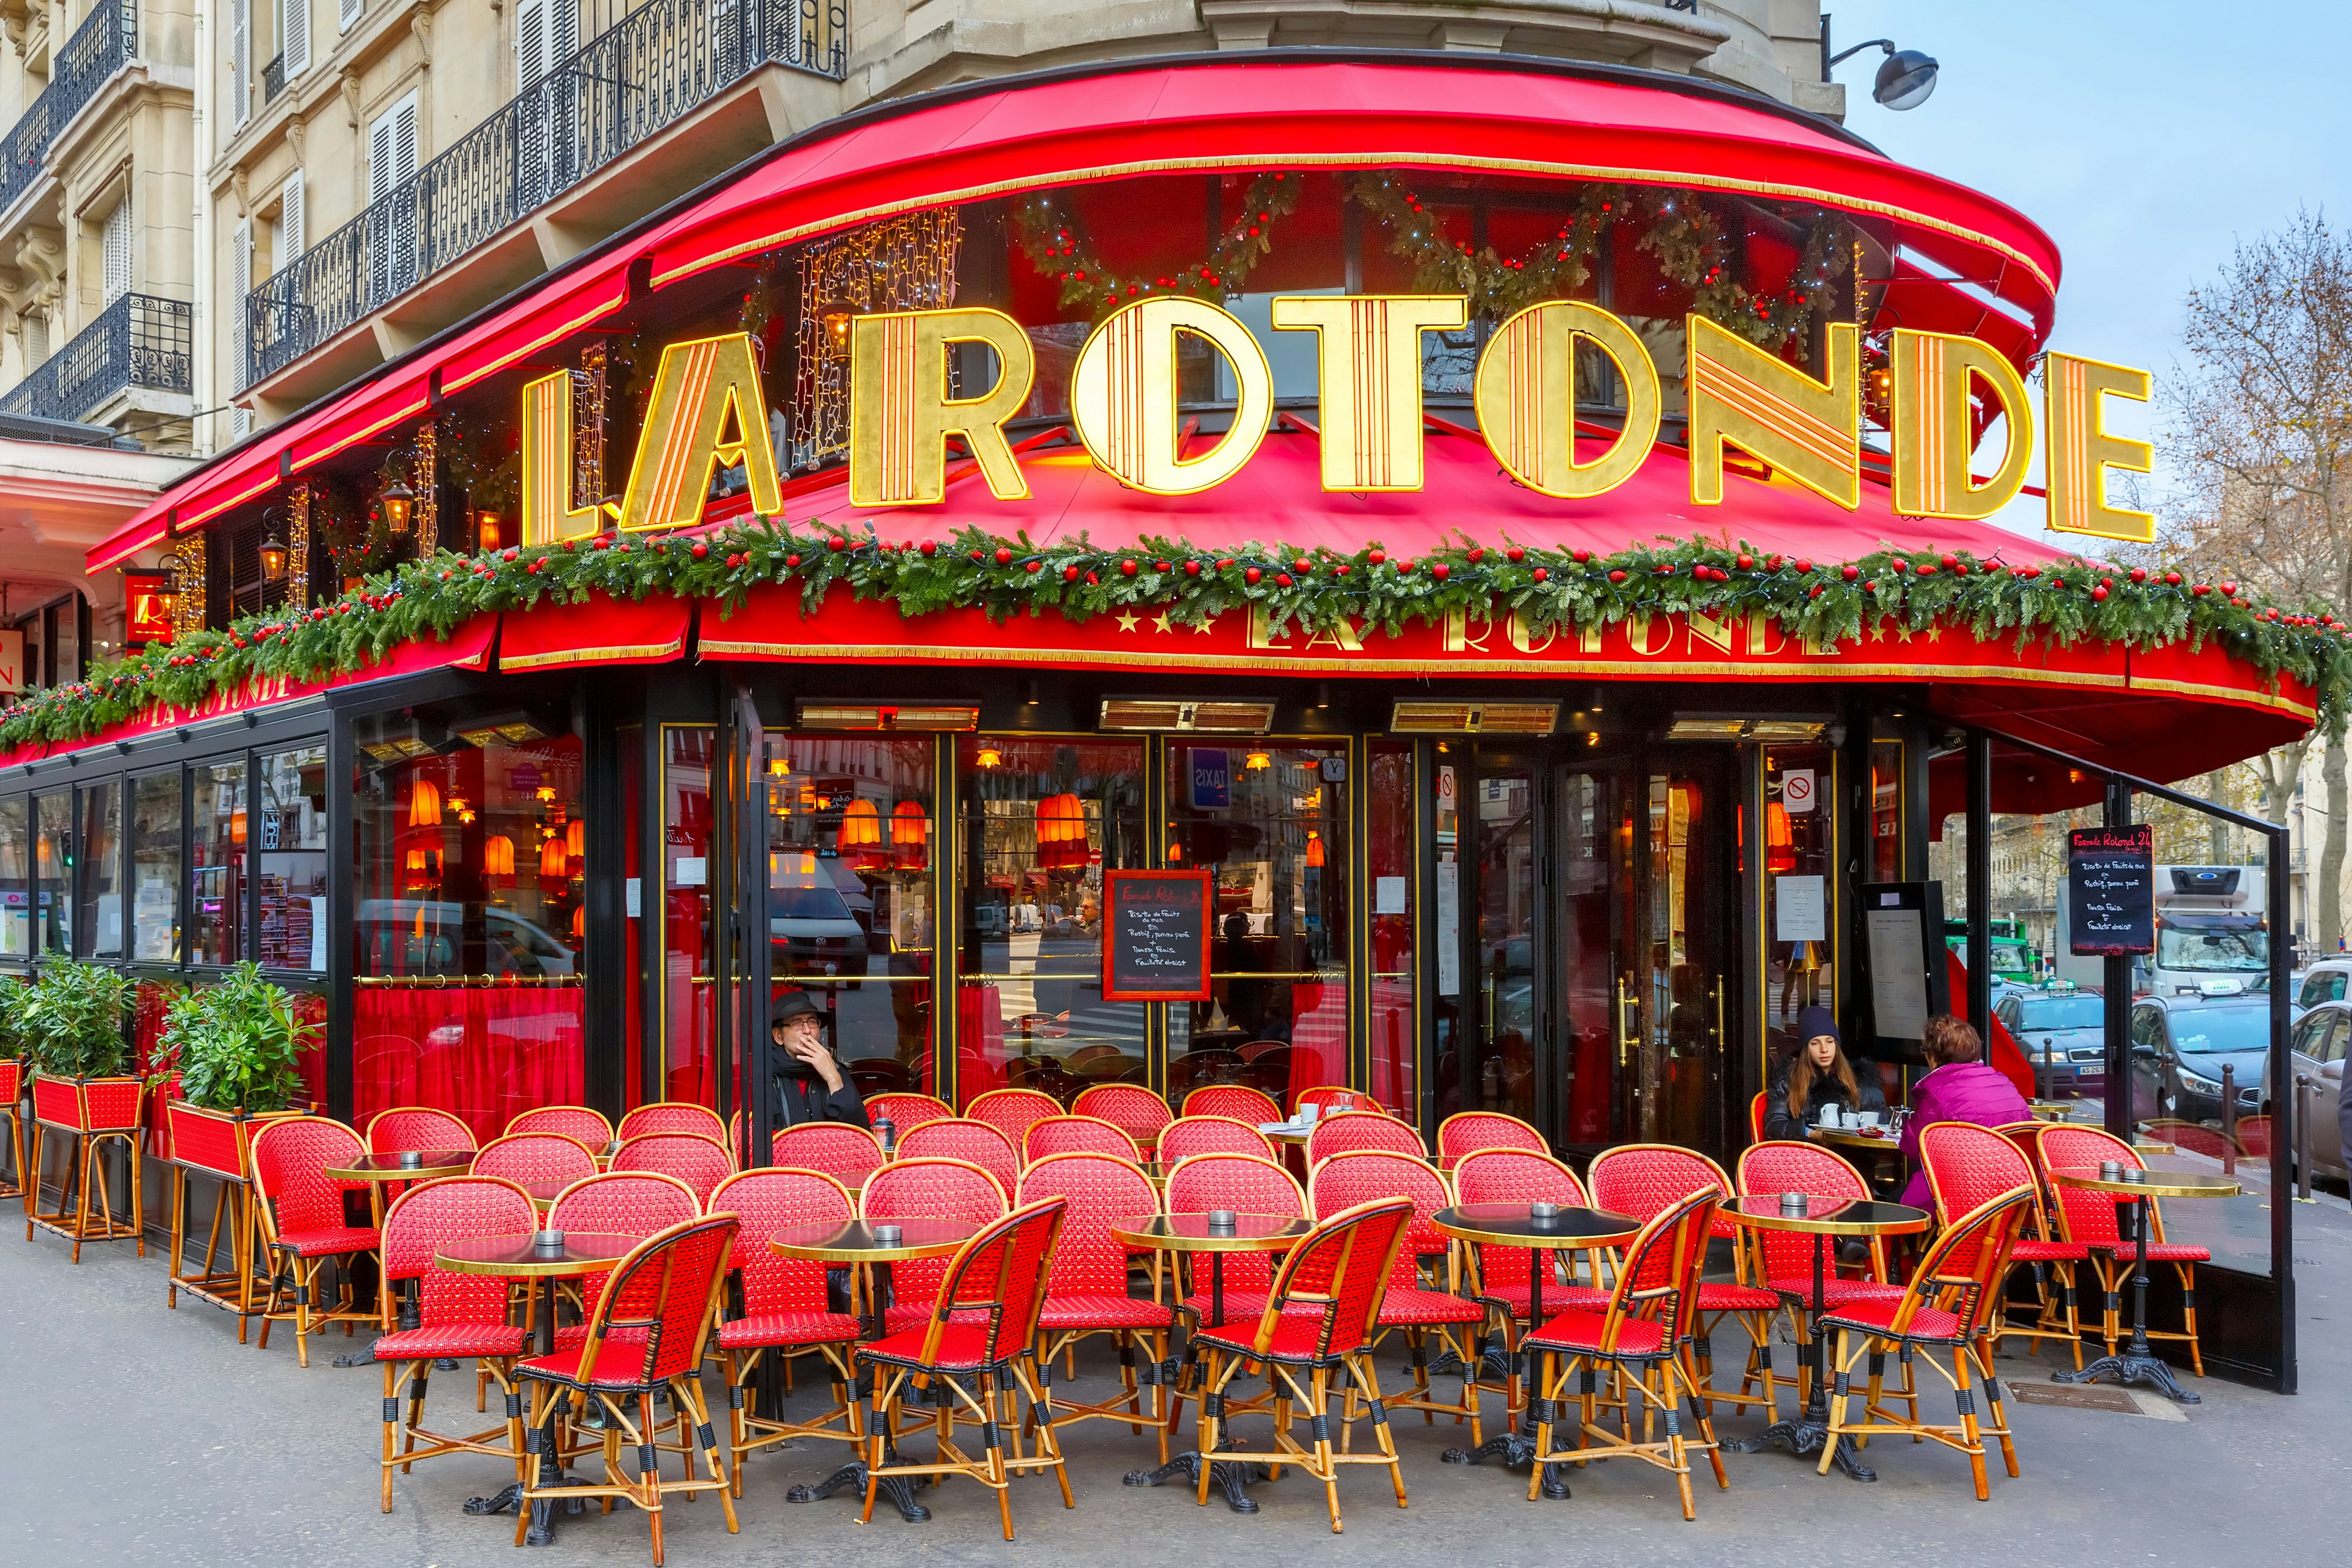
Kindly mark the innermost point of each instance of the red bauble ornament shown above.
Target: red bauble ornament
(1616, 577)
(1441, 570)
(1515, 554)
(2100, 593)
(1069, 573)
(929, 548)
(699, 551)
(1251, 576)
(1003, 557)
(1540, 575)
(1377, 557)
(1191, 569)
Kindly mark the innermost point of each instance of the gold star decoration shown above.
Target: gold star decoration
(1206, 626)
(1160, 620)
(1935, 634)
(1126, 622)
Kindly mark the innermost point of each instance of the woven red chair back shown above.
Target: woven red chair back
(930, 1187)
(289, 1166)
(847, 1154)
(1001, 1272)
(1644, 1180)
(1246, 1184)
(571, 1121)
(1513, 1177)
(1237, 1101)
(407, 1127)
(1962, 1271)
(1659, 1278)
(1360, 1130)
(1769, 1169)
(429, 1217)
(535, 1157)
(1190, 1136)
(767, 1202)
(904, 1108)
(977, 1144)
(1467, 1131)
(1361, 1177)
(700, 1163)
(2087, 1217)
(1012, 1111)
(623, 1203)
(1967, 1166)
(673, 1116)
(1329, 1098)
(1098, 1191)
(1077, 1135)
(1129, 1106)
(1757, 1107)
(651, 1323)
(1347, 1257)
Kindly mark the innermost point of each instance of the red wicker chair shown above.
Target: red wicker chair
(1499, 1274)
(573, 1120)
(536, 1157)
(1190, 1136)
(1969, 1166)
(1645, 1335)
(1949, 1307)
(1410, 1305)
(1467, 1131)
(303, 1225)
(1783, 1259)
(785, 1308)
(1643, 1181)
(1087, 1292)
(700, 1163)
(1129, 1106)
(974, 1352)
(1077, 1135)
(2089, 1218)
(1757, 1107)
(848, 1154)
(1013, 1110)
(447, 1314)
(904, 1108)
(11, 1093)
(977, 1144)
(1319, 1319)
(417, 1127)
(1237, 1101)
(646, 1333)
(1360, 1130)
(617, 1202)
(672, 1116)
(1246, 1184)
(928, 1187)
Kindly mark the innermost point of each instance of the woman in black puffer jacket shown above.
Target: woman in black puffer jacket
(1818, 1075)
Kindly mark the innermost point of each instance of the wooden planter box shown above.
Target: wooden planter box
(88, 1104)
(219, 1142)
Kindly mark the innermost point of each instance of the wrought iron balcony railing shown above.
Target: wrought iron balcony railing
(273, 79)
(104, 43)
(650, 69)
(139, 341)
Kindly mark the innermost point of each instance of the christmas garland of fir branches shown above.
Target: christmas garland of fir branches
(1905, 591)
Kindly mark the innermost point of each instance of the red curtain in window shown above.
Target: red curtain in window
(483, 1054)
(1318, 1037)
(979, 1041)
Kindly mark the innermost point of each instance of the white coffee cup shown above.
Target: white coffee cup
(1867, 1118)
(1307, 1112)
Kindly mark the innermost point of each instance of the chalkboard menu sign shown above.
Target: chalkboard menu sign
(1156, 936)
(2111, 890)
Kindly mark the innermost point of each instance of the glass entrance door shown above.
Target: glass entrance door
(1685, 946)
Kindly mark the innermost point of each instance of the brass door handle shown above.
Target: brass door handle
(1624, 1030)
(1722, 1040)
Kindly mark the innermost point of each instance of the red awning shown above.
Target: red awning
(602, 630)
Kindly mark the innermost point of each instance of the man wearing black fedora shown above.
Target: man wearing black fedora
(810, 1085)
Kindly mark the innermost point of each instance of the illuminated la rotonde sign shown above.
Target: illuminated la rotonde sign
(707, 411)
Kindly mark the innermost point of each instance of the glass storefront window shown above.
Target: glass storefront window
(15, 878)
(1393, 862)
(689, 1024)
(1269, 821)
(98, 913)
(290, 827)
(1042, 818)
(155, 868)
(1800, 904)
(53, 873)
(1886, 811)
(216, 863)
(851, 873)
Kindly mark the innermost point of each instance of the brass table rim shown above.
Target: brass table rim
(2162, 1184)
(397, 1174)
(1526, 1242)
(1854, 1138)
(1142, 1235)
(1912, 1221)
(905, 1252)
(528, 1268)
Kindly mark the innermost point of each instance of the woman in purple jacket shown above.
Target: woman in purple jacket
(1959, 1087)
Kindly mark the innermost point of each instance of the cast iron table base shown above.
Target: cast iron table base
(2137, 1362)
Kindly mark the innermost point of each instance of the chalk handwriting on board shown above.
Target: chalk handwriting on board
(2111, 890)
(1156, 936)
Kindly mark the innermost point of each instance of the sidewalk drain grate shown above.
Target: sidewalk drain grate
(2076, 1396)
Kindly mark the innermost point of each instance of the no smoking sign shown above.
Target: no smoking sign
(1797, 791)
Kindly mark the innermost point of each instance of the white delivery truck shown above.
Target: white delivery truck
(2212, 936)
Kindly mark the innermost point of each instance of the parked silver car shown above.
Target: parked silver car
(2316, 1049)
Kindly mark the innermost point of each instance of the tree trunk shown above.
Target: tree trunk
(2331, 858)
(2217, 832)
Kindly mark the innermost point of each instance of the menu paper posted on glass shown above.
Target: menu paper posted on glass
(1156, 934)
(2110, 889)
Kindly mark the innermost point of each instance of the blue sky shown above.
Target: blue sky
(2145, 136)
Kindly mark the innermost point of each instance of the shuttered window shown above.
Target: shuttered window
(114, 248)
(392, 148)
(240, 60)
(294, 36)
(289, 248)
(240, 284)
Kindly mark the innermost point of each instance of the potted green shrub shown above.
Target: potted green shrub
(70, 1020)
(236, 1047)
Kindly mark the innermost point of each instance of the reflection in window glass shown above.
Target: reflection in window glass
(53, 873)
(1886, 811)
(1270, 821)
(155, 868)
(1394, 869)
(290, 825)
(216, 863)
(1042, 820)
(1799, 969)
(15, 878)
(850, 880)
(98, 915)
(689, 1020)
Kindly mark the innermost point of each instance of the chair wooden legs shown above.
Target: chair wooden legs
(1294, 1400)
(1967, 1434)
(992, 1403)
(747, 1433)
(632, 1454)
(1667, 1389)
(401, 1438)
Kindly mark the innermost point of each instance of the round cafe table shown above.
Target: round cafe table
(1512, 1225)
(2138, 1363)
(1193, 1233)
(515, 1257)
(1821, 1218)
(852, 1242)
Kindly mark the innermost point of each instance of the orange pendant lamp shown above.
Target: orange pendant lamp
(911, 832)
(498, 856)
(425, 804)
(1779, 843)
(553, 863)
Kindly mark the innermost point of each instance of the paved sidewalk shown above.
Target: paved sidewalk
(140, 1435)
